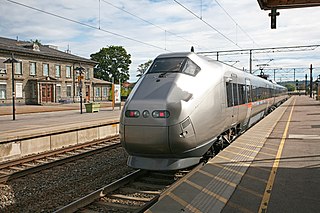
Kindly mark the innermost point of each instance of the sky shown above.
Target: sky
(147, 28)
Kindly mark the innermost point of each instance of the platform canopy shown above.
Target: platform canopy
(286, 4)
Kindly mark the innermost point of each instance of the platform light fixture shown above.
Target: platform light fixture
(80, 71)
(12, 61)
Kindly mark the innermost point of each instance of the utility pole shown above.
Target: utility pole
(294, 74)
(310, 80)
(305, 85)
(250, 62)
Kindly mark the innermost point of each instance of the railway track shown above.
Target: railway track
(31, 164)
(135, 192)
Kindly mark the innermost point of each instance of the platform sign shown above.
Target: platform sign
(80, 77)
(117, 93)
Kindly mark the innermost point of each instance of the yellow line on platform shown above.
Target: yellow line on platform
(267, 192)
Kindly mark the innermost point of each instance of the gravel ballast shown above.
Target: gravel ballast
(53, 188)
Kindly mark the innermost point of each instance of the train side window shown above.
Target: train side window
(248, 92)
(241, 90)
(190, 68)
(254, 93)
(229, 94)
(235, 95)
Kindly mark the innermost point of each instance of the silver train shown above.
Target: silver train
(188, 107)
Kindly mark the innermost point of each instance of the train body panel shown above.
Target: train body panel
(181, 106)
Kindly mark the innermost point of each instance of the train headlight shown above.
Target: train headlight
(160, 114)
(132, 113)
(145, 113)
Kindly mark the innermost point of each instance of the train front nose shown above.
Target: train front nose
(145, 131)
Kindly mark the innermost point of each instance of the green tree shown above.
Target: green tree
(290, 87)
(114, 62)
(142, 68)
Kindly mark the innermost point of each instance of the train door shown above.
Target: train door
(249, 103)
(235, 96)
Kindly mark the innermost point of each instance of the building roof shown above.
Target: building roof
(99, 81)
(40, 51)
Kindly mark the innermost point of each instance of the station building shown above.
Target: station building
(44, 75)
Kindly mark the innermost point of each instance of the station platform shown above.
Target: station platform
(33, 120)
(39, 129)
(273, 167)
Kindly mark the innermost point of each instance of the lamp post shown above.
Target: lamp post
(318, 88)
(12, 60)
(80, 77)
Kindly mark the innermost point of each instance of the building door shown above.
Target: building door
(87, 93)
(47, 95)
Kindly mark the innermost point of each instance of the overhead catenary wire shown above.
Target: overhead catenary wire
(88, 25)
(150, 23)
(209, 25)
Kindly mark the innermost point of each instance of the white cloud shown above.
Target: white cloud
(294, 27)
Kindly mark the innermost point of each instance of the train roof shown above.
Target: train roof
(177, 54)
(188, 54)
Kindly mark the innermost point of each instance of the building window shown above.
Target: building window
(18, 68)
(32, 68)
(58, 71)
(3, 90)
(104, 91)
(2, 67)
(58, 91)
(88, 74)
(18, 90)
(68, 71)
(69, 91)
(98, 92)
(45, 69)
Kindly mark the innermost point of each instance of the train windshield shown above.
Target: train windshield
(165, 65)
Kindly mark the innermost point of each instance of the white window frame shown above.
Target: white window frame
(33, 68)
(104, 92)
(18, 68)
(69, 86)
(68, 71)
(98, 92)
(58, 70)
(45, 72)
(88, 74)
(5, 91)
(58, 91)
(19, 90)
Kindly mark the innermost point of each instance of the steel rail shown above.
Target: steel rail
(57, 157)
(142, 179)
(90, 198)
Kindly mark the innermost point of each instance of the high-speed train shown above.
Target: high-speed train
(187, 107)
